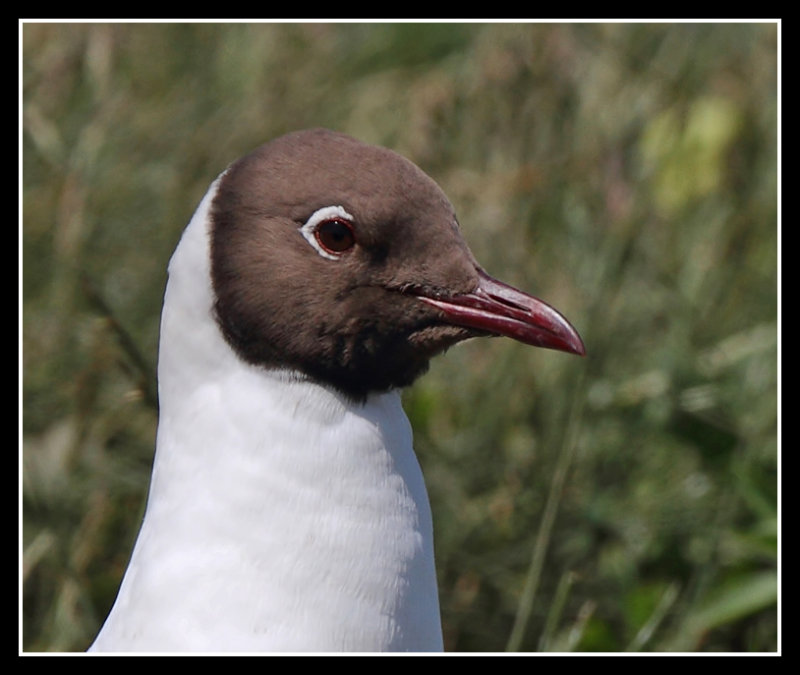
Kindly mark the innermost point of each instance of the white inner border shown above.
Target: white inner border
(319, 216)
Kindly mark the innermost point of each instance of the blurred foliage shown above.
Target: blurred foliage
(627, 173)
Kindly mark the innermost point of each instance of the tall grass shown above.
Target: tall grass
(626, 173)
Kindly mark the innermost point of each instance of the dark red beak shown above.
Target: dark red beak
(500, 309)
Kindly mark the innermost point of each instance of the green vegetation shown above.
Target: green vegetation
(626, 173)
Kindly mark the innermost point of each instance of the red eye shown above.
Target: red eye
(335, 236)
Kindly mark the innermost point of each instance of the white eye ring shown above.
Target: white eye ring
(309, 229)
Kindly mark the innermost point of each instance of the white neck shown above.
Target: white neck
(281, 515)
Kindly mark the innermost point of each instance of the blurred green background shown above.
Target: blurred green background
(626, 173)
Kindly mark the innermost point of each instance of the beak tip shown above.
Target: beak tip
(571, 343)
(579, 349)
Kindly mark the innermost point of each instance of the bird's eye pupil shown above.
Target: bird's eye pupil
(336, 235)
